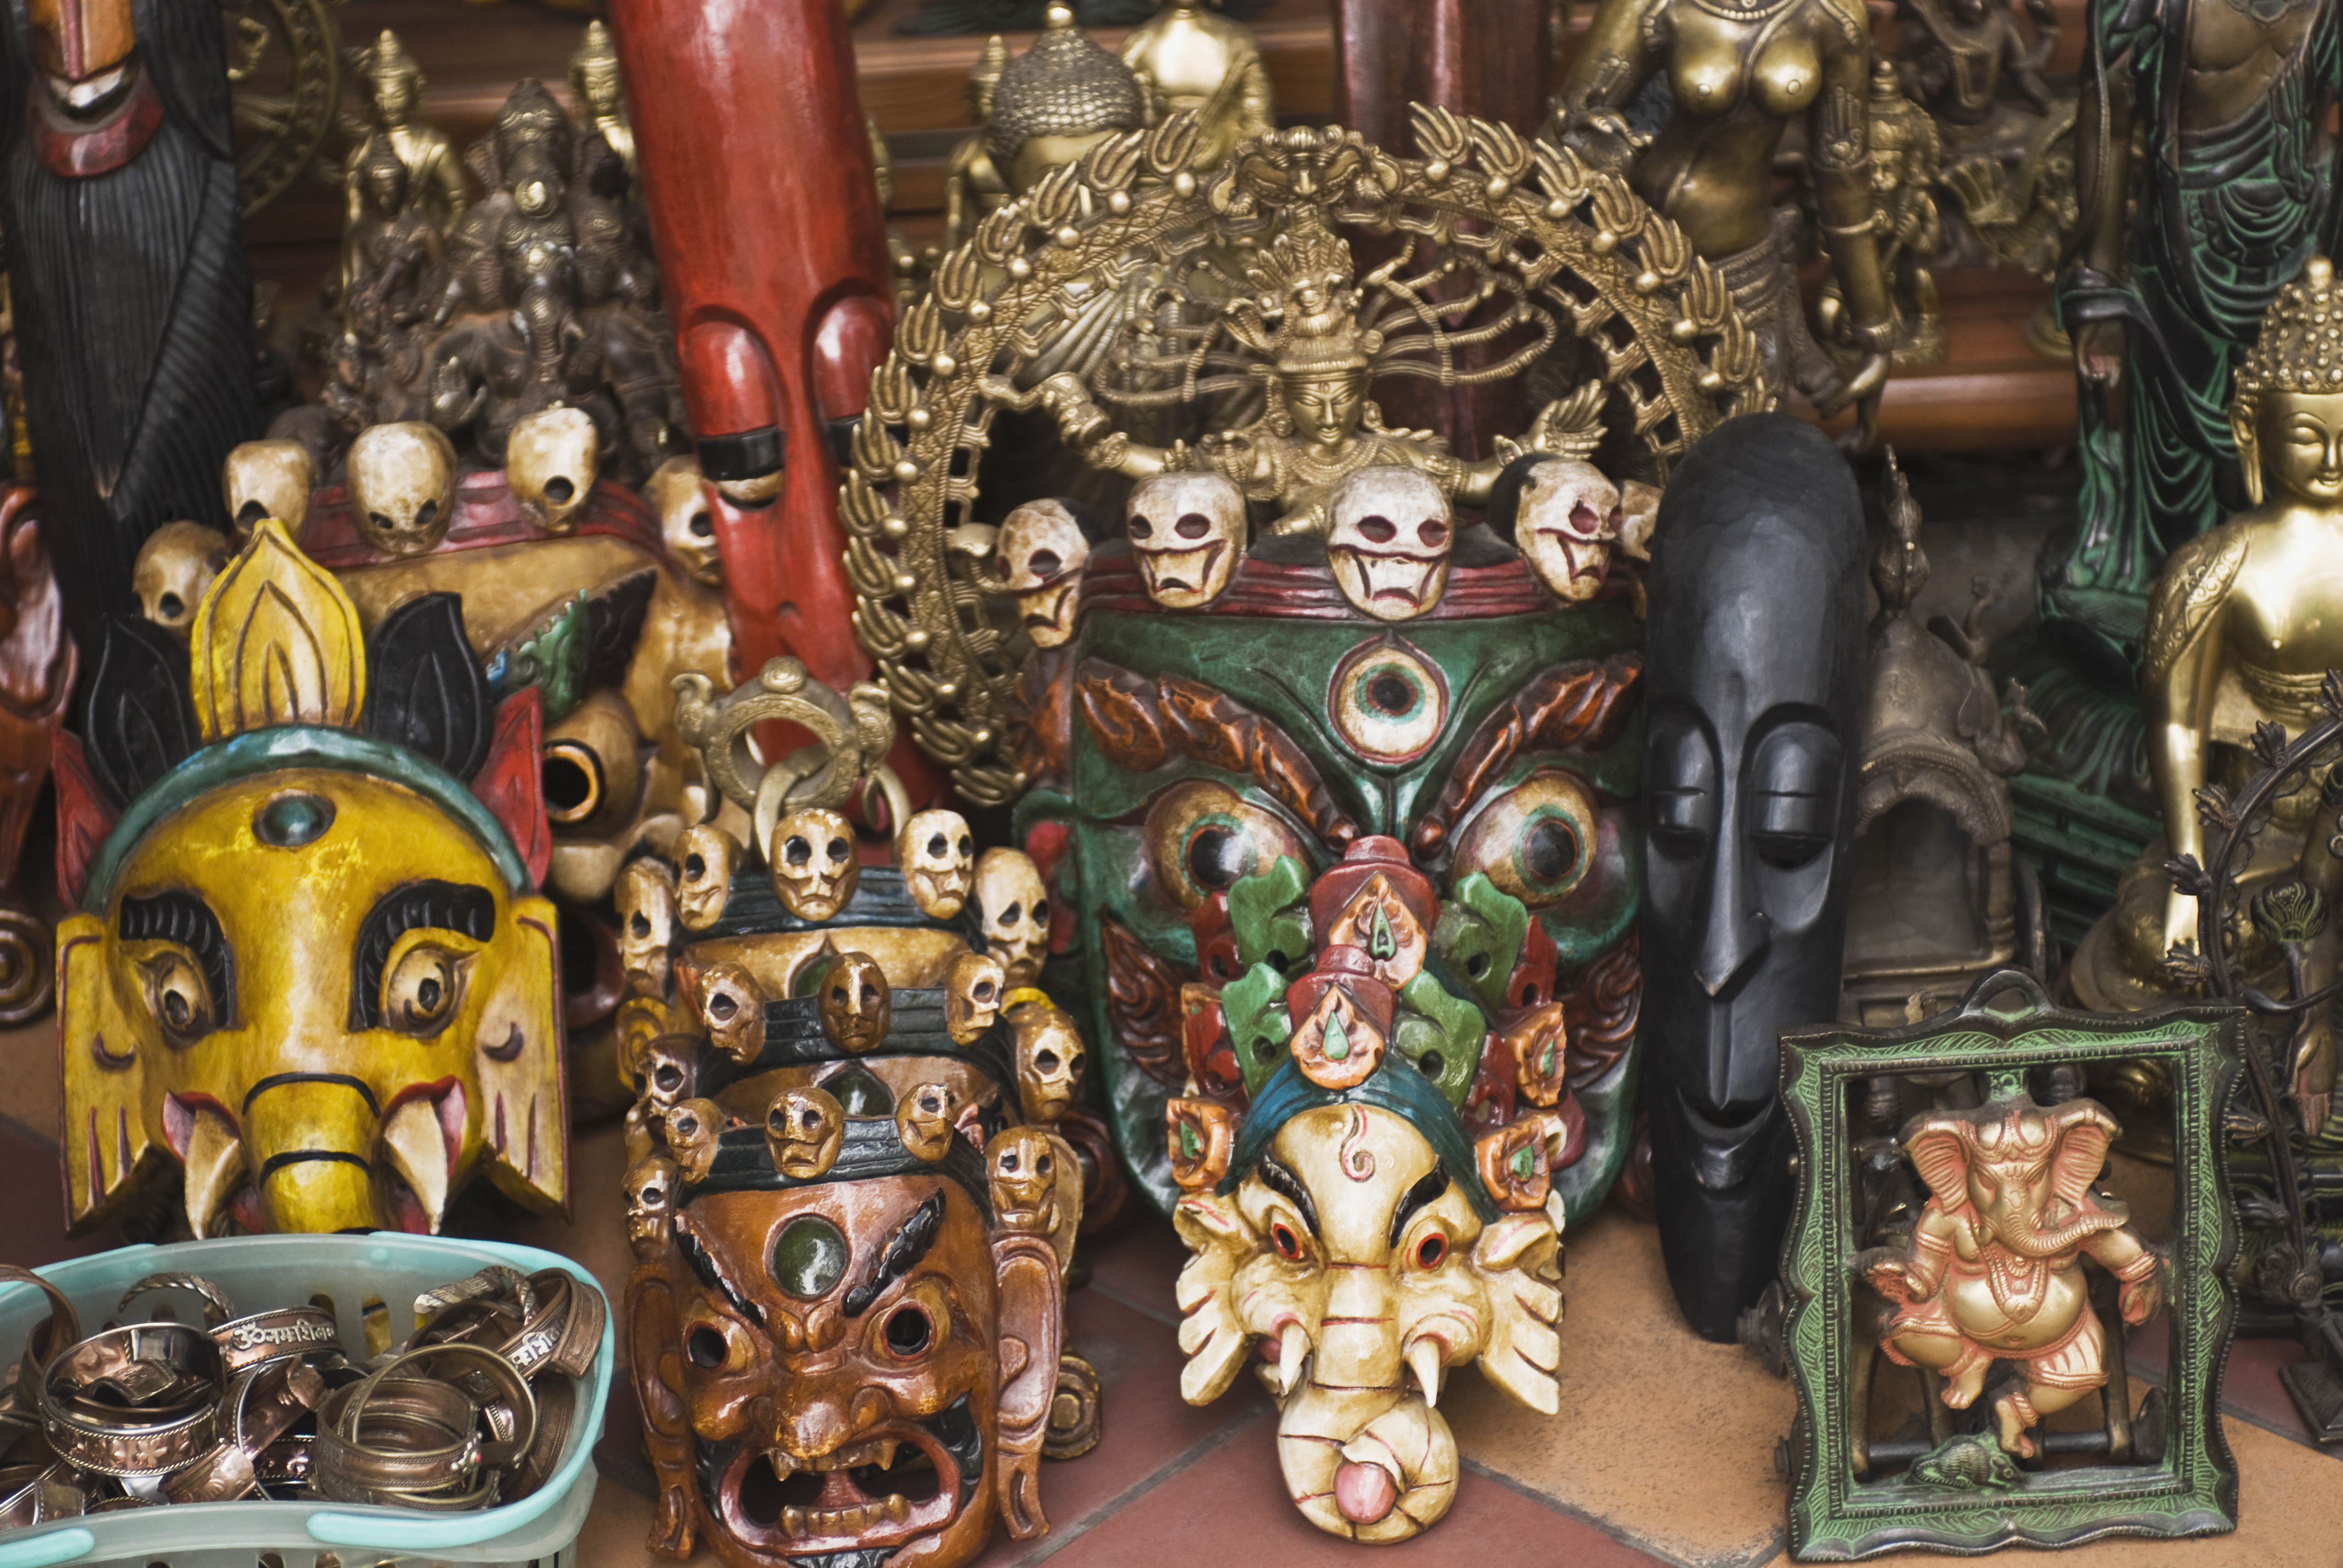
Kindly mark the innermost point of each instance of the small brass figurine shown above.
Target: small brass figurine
(1993, 1270)
(1739, 75)
(602, 98)
(1190, 59)
(1906, 161)
(435, 176)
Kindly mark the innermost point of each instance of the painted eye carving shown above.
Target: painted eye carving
(421, 991)
(1536, 841)
(1388, 701)
(180, 997)
(907, 1332)
(1430, 1251)
(1200, 839)
(1288, 1245)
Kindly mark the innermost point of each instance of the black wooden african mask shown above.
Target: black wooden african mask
(1754, 677)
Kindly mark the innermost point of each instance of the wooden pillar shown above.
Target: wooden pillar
(1487, 58)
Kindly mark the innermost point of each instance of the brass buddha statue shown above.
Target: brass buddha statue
(1319, 426)
(2242, 628)
(1740, 71)
(1190, 59)
(1046, 107)
(435, 176)
(600, 98)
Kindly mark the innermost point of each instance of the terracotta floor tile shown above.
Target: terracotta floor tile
(1139, 1265)
(1227, 1505)
(1665, 1438)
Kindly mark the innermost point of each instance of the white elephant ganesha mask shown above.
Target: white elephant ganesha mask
(308, 963)
(1357, 1245)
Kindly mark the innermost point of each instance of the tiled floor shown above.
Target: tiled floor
(1663, 1451)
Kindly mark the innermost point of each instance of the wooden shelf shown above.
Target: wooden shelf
(1991, 391)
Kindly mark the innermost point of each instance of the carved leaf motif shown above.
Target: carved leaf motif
(1139, 723)
(1602, 1012)
(2213, 807)
(2187, 876)
(1143, 1002)
(1580, 703)
(276, 641)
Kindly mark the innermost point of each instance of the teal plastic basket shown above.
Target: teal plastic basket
(262, 1271)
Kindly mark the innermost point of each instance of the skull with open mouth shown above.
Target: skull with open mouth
(1187, 531)
(1569, 514)
(1039, 558)
(1390, 542)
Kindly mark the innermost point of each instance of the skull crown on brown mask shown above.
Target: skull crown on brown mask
(844, 1327)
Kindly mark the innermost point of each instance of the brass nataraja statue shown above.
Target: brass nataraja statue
(1739, 74)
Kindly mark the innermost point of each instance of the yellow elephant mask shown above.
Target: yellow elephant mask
(309, 965)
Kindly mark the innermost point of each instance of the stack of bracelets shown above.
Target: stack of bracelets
(472, 1411)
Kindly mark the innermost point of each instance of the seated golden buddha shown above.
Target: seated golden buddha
(2244, 624)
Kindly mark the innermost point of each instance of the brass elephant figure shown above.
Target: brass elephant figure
(1994, 1268)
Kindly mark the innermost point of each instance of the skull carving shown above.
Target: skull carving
(705, 857)
(972, 996)
(693, 1127)
(1187, 532)
(268, 479)
(1390, 541)
(815, 869)
(1050, 1058)
(403, 487)
(732, 1008)
(550, 462)
(1013, 908)
(1569, 513)
(856, 1005)
(1040, 557)
(650, 1186)
(936, 852)
(645, 897)
(175, 565)
(1639, 513)
(1024, 1168)
(678, 493)
(667, 1070)
(804, 1129)
(927, 1120)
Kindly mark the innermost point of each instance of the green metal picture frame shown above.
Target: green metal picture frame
(1968, 1495)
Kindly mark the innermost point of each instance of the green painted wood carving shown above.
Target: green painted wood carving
(1952, 1237)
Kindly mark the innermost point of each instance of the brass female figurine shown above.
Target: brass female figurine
(1740, 71)
(600, 97)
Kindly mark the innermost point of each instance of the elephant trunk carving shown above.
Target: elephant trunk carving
(1382, 1481)
(2017, 1220)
